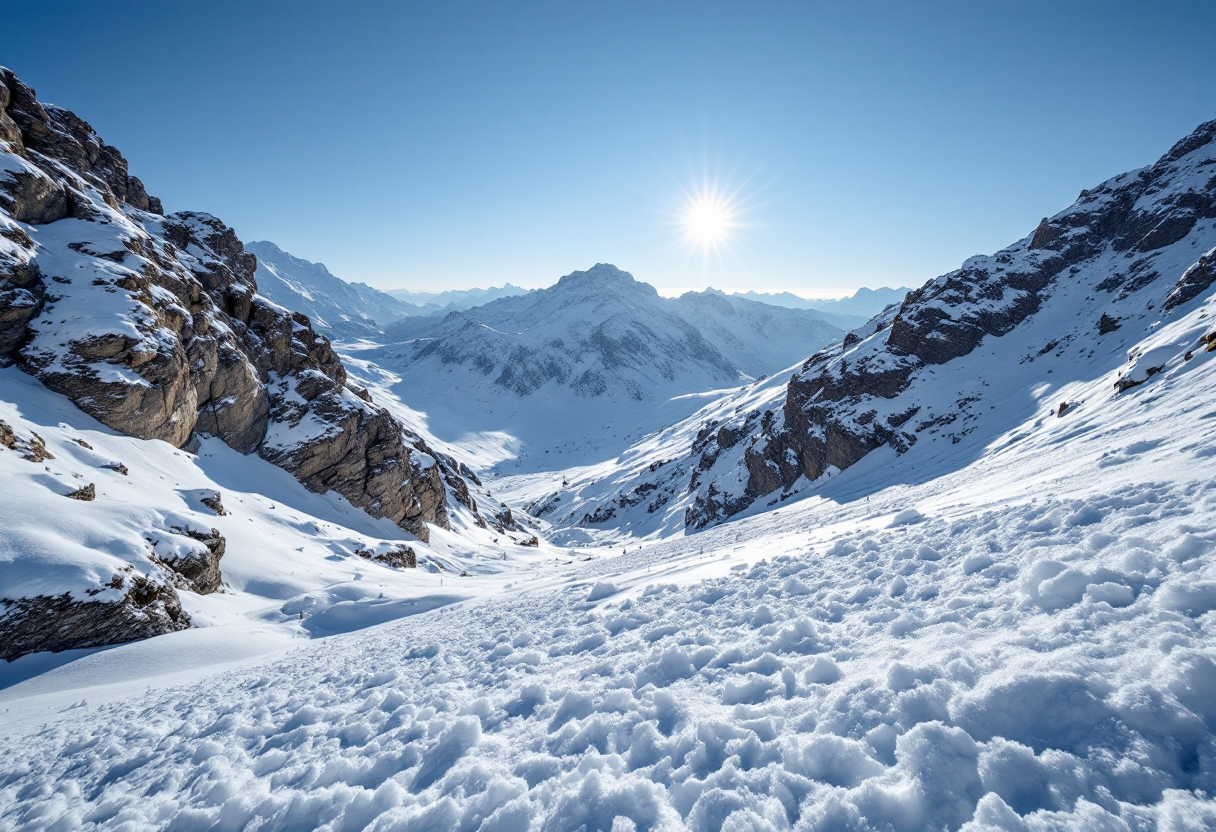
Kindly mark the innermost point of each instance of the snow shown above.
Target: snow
(1034, 653)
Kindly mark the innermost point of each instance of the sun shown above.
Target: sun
(708, 220)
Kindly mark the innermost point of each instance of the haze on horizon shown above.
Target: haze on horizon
(803, 147)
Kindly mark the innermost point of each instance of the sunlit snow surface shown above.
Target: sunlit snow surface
(1025, 641)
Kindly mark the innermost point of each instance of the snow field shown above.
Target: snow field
(1031, 664)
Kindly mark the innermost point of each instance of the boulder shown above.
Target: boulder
(198, 566)
(63, 622)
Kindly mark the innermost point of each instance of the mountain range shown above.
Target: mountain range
(340, 309)
(565, 374)
(851, 311)
(455, 300)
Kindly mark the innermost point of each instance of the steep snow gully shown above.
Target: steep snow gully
(1007, 624)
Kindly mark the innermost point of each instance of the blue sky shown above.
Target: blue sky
(455, 144)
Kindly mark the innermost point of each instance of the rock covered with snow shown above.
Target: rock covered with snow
(153, 325)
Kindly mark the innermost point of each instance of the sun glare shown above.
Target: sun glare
(708, 220)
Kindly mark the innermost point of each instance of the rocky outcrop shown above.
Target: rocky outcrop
(140, 608)
(1194, 281)
(86, 494)
(154, 326)
(198, 567)
(398, 555)
(861, 394)
(31, 446)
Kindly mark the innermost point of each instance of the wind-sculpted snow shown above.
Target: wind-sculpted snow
(1038, 665)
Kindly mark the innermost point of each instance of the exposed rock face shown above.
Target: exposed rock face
(1079, 291)
(1194, 281)
(143, 608)
(858, 396)
(153, 325)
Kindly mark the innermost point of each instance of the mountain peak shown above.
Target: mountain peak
(605, 275)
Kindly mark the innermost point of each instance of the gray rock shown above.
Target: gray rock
(826, 421)
(200, 568)
(1194, 281)
(31, 447)
(63, 622)
(211, 356)
(400, 556)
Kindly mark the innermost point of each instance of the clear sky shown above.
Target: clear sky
(457, 144)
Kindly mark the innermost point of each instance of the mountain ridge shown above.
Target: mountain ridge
(1097, 279)
(153, 326)
(345, 310)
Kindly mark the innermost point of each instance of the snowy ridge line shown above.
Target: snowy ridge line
(341, 310)
(1068, 302)
(572, 374)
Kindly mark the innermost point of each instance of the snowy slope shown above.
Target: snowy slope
(152, 326)
(287, 550)
(1020, 642)
(340, 309)
(1007, 624)
(1071, 313)
(573, 373)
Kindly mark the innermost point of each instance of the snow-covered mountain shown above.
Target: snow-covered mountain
(153, 326)
(603, 333)
(1098, 300)
(339, 309)
(349, 311)
(574, 370)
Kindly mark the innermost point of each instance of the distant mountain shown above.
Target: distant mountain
(340, 309)
(595, 357)
(603, 333)
(864, 304)
(455, 300)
